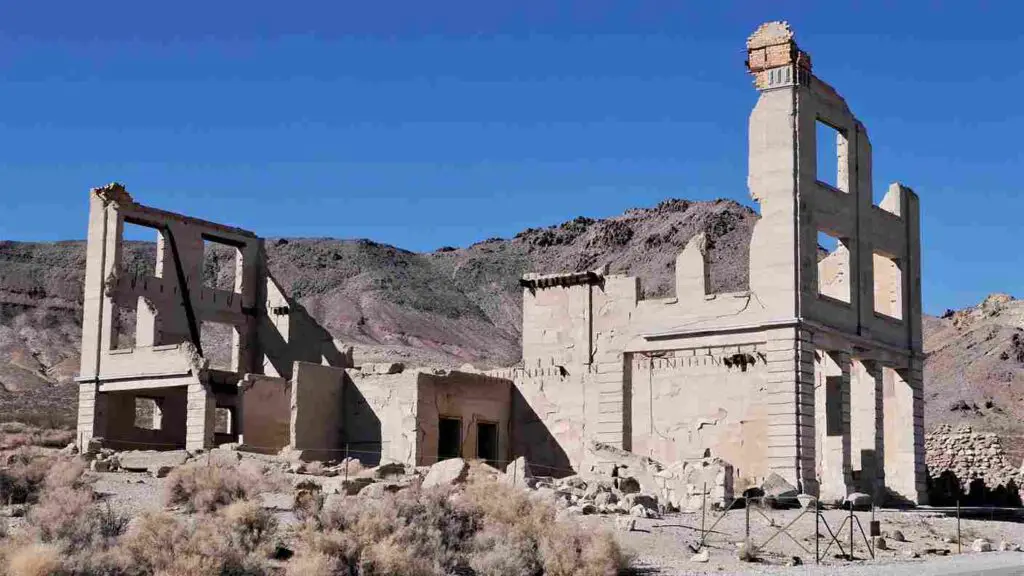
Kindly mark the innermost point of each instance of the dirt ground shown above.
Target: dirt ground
(663, 546)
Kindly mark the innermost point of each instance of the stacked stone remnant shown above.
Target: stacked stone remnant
(969, 455)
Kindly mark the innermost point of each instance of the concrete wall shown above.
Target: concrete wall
(472, 398)
(692, 402)
(265, 413)
(317, 411)
(379, 416)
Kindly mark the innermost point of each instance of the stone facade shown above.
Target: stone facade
(814, 373)
(812, 376)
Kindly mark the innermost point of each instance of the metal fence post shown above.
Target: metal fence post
(959, 545)
(746, 508)
(817, 533)
(703, 510)
(851, 530)
(347, 462)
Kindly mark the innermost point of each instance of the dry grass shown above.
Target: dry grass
(34, 560)
(206, 487)
(17, 434)
(491, 528)
(30, 470)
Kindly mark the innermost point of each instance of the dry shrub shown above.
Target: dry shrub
(17, 434)
(491, 529)
(34, 560)
(207, 487)
(237, 541)
(314, 564)
(30, 470)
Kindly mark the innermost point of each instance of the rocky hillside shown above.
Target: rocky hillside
(448, 307)
(458, 305)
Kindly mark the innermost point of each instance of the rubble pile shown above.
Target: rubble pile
(969, 456)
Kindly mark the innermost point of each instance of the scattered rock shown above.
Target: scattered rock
(638, 511)
(160, 471)
(100, 465)
(647, 501)
(909, 553)
(795, 561)
(897, 536)
(587, 508)
(879, 543)
(778, 492)
(150, 460)
(981, 545)
(627, 485)
(703, 556)
(277, 501)
(518, 472)
(858, 501)
(223, 456)
(388, 470)
(353, 486)
(446, 473)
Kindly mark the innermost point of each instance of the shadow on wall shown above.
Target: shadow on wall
(362, 430)
(532, 439)
(288, 333)
(947, 489)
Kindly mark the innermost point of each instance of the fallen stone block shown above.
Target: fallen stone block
(518, 472)
(100, 465)
(446, 473)
(160, 471)
(149, 460)
(879, 543)
(897, 536)
(858, 501)
(778, 492)
(702, 557)
(388, 470)
(222, 457)
(981, 545)
(646, 500)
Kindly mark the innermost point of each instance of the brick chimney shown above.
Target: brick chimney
(774, 58)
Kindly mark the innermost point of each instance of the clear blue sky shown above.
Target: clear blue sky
(424, 124)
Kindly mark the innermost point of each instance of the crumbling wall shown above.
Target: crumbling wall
(472, 398)
(317, 407)
(265, 413)
(379, 417)
(702, 402)
(959, 458)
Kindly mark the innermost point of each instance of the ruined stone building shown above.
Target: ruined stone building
(814, 372)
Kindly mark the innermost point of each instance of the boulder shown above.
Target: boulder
(574, 481)
(150, 460)
(703, 556)
(100, 465)
(981, 545)
(897, 536)
(627, 485)
(446, 473)
(160, 471)
(778, 492)
(879, 543)
(646, 500)
(353, 486)
(605, 499)
(587, 508)
(519, 473)
(858, 501)
(638, 511)
(388, 470)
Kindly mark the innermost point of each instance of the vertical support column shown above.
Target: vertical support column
(904, 433)
(832, 419)
(200, 417)
(611, 405)
(866, 426)
(90, 413)
(790, 406)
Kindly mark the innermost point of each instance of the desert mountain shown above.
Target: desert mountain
(458, 305)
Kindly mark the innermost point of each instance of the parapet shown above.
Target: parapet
(774, 58)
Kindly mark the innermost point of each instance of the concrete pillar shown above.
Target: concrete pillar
(790, 407)
(90, 413)
(610, 379)
(866, 444)
(200, 418)
(832, 423)
(903, 404)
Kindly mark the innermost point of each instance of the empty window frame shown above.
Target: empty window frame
(487, 442)
(218, 342)
(833, 156)
(449, 438)
(148, 413)
(833, 268)
(888, 277)
(223, 420)
(221, 264)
